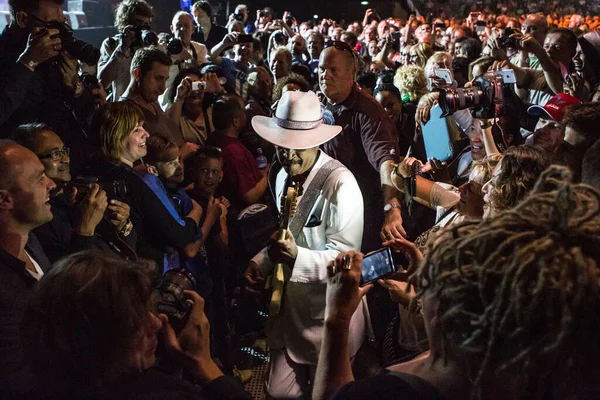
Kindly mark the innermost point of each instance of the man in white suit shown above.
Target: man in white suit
(329, 220)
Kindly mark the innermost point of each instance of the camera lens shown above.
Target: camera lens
(148, 38)
(175, 46)
(451, 100)
(82, 51)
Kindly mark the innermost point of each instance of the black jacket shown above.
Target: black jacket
(16, 288)
(216, 34)
(156, 228)
(40, 96)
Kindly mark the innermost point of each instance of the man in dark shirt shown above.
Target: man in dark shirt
(42, 85)
(206, 32)
(24, 205)
(243, 183)
(367, 145)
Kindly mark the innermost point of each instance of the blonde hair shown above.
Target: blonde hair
(411, 81)
(112, 124)
(424, 51)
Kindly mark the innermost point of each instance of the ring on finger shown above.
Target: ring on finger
(346, 266)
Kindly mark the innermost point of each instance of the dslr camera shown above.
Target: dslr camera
(168, 297)
(487, 98)
(144, 36)
(79, 49)
(116, 189)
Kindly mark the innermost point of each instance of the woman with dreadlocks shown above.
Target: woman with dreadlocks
(510, 306)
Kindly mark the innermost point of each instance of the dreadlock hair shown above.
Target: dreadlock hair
(518, 295)
(521, 168)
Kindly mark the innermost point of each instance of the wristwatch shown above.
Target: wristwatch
(389, 206)
(30, 64)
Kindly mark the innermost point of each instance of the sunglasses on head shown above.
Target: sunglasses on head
(342, 46)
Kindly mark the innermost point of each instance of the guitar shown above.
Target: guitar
(288, 204)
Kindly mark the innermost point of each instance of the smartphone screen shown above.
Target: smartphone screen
(376, 265)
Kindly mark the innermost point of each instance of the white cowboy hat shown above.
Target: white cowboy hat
(297, 123)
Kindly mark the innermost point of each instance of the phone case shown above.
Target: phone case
(437, 135)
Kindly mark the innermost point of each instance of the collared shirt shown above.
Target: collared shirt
(122, 70)
(367, 140)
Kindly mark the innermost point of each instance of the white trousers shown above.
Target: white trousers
(287, 379)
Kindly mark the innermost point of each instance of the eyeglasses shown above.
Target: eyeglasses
(56, 155)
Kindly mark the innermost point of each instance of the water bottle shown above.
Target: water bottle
(261, 160)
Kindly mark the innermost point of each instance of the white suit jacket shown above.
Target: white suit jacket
(334, 225)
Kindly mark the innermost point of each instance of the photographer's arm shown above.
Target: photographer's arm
(343, 298)
(112, 58)
(488, 139)
(191, 350)
(383, 55)
(551, 69)
(228, 41)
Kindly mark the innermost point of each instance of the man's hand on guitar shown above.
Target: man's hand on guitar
(283, 251)
(254, 279)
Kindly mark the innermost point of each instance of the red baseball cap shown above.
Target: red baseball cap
(555, 107)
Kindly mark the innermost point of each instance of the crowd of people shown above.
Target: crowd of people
(154, 186)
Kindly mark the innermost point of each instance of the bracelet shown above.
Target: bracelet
(78, 89)
(126, 230)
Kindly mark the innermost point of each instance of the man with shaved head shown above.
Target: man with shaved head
(24, 205)
(537, 26)
(367, 146)
(297, 46)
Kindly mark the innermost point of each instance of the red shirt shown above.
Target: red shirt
(240, 172)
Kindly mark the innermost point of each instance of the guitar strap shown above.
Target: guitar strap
(297, 222)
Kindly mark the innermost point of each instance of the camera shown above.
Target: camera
(487, 98)
(175, 46)
(239, 16)
(79, 49)
(289, 20)
(168, 297)
(90, 81)
(198, 85)
(115, 190)
(505, 41)
(144, 37)
(262, 14)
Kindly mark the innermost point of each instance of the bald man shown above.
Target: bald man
(24, 205)
(367, 146)
(297, 46)
(537, 26)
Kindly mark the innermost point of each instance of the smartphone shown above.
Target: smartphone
(376, 265)
(445, 74)
(244, 39)
(508, 75)
(396, 35)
